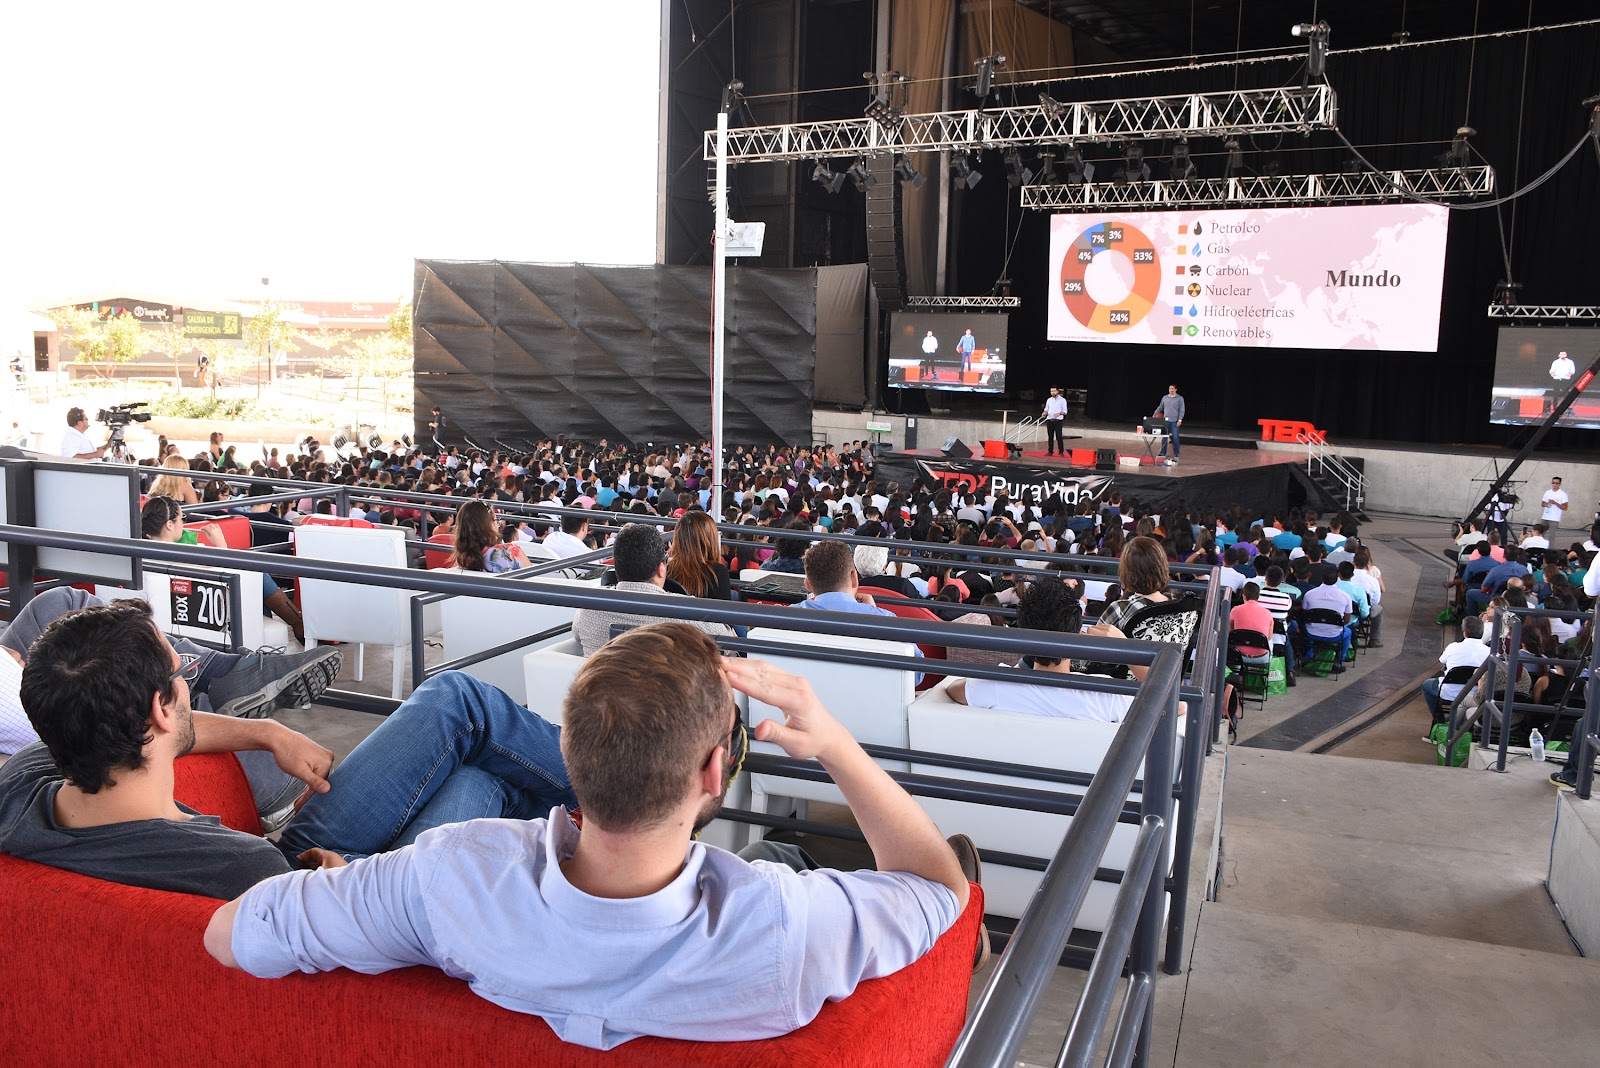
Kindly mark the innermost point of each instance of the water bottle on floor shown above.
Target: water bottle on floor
(1536, 743)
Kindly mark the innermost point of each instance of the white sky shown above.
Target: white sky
(203, 146)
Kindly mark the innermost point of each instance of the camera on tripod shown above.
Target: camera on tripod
(118, 416)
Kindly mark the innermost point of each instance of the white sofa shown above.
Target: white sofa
(473, 624)
(937, 724)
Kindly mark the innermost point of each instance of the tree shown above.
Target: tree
(266, 333)
(172, 341)
(327, 340)
(119, 339)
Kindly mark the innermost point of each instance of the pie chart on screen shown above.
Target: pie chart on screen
(1110, 277)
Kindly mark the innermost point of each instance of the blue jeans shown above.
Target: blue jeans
(457, 749)
(1172, 432)
(1430, 697)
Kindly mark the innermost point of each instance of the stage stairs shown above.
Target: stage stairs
(1340, 481)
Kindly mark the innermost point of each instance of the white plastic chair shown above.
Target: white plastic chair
(351, 611)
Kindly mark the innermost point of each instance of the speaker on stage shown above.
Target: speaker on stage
(1105, 459)
(953, 449)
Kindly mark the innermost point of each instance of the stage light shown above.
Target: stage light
(961, 166)
(826, 178)
(1047, 169)
(1235, 162)
(1133, 168)
(1460, 153)
(1054, 109)
(1182, 167)
(884, 113)
(1078, 172)
(908, 174)
(862, 177)
(986, 66)
(1017, 173)
(1316, 35)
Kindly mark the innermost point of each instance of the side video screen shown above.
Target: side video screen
(948, 350)
(1535, 367)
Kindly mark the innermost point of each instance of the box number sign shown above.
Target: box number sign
(200, 604)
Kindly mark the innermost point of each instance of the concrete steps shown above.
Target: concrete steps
(1381, 913)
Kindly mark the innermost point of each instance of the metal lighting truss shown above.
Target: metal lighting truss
(963, 302)
(1263, 111)
(1544, 311)
(1435, 184)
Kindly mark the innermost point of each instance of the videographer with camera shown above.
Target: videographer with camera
(75, 443)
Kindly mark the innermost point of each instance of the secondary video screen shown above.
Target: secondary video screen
(1535, 367)
(963, 351)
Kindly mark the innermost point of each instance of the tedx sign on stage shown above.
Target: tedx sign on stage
(985, 478)
(1367, 277)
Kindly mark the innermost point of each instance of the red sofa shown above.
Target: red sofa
(97, 972)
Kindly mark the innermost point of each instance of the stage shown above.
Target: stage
(1206, 477)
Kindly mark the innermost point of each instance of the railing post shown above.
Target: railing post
(419, 651)
(1156, 801)
(1582, 751)
(1513, 648)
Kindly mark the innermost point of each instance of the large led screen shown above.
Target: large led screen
(1310, 278)
(963, 351)
(1536, 367)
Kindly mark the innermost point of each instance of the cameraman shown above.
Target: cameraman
(75, 443)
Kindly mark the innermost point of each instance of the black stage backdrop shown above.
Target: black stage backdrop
(1412, 99)
(515, 352)
(1258, 490)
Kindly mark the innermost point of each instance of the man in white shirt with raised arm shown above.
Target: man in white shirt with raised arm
(558, 917)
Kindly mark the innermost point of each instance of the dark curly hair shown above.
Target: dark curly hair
(87, 686)
(1050, 604)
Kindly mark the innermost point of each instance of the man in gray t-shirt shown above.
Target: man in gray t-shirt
(1170, 409)
(109, 698)
(192, 855)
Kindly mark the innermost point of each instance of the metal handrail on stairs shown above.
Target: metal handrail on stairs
(1319, 458)
(1030, 423)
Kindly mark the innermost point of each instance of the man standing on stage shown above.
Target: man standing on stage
(1171, 411)
(965, 347)
(1055, 418)
(930, 348)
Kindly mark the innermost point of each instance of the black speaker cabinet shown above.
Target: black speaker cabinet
(1105, 459)
(955, 450)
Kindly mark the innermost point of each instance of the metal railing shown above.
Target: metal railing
(1321, 459)
(1492, 686)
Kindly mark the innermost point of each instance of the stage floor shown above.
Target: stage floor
(1196, 459)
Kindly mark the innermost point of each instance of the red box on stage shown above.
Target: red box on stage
(1082, 457)
(995, 450)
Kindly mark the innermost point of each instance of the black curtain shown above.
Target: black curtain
(1412, 100)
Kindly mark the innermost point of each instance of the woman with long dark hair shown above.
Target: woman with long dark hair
(478, 546)
(694, 560)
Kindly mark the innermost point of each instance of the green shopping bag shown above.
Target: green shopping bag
(1440, 734)
(1277, 676)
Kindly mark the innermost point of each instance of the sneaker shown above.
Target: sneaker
(972, 867)
(263, 682)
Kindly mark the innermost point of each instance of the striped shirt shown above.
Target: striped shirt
(1277, 601)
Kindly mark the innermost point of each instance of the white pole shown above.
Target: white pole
(719, 313)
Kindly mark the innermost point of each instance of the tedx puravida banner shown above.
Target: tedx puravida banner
(986, 477)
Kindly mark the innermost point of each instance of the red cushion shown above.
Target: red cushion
(929, 652)
(235, 530)
(440, 558)
(96, 958)
(214, 783)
